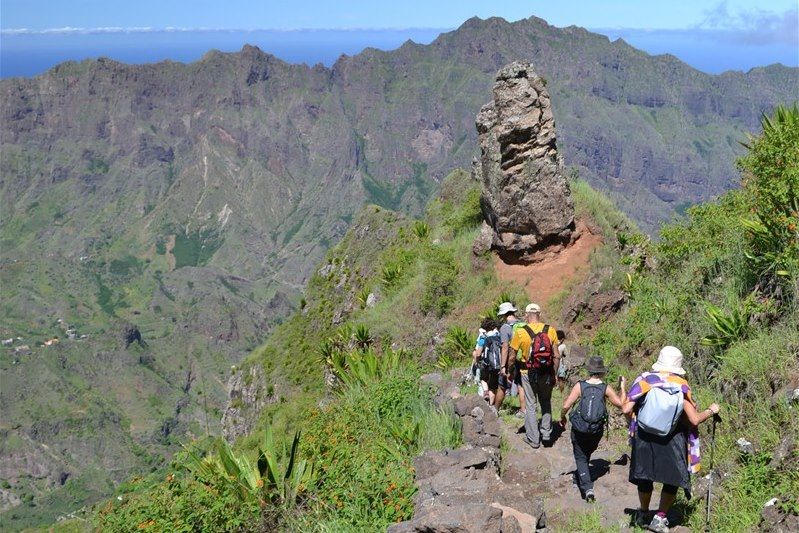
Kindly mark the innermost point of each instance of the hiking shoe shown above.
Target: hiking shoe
(519, 414)
(659, 524)
(531, 444)
(589, 496)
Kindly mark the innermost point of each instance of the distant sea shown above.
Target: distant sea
(31, 54)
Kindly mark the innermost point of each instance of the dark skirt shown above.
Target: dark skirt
(660, 459)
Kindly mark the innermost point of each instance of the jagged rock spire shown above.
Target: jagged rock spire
(526, 201)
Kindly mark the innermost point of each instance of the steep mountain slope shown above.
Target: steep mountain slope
(194, 200)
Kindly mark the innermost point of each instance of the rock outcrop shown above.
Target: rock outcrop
(526, 201)
(461, 490)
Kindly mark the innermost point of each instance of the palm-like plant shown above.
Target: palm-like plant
(421, 230)
(730, 327)
(363, 337)
(391, 274)
(268, 480)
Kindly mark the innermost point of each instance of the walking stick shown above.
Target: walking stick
(716, 417)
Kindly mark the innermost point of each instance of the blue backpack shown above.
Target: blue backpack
(492, 352)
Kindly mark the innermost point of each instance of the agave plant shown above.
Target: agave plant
(391, 274)
(360, 367)
(458, 342)
(363, 337)
(268, 480)
(363, 296)
(730, 327)
(421, 230)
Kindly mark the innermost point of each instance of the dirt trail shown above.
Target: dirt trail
(551, 469)
(546, 278)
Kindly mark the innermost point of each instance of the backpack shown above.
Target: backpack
(591, 413)
(540, 358)
(660, 410)
(492, 352)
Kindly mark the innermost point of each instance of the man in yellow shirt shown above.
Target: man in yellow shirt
(540, 377)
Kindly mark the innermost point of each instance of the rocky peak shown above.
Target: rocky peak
(526, 202)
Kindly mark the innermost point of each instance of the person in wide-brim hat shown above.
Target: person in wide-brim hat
(669, 360)
(587, 433)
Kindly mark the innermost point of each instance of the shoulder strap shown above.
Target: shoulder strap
(529, 331)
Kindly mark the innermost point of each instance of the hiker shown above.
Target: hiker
(507, 371)
(564, 350)
(488, 356)
(537, 346)
(663, 434)
(588, 419)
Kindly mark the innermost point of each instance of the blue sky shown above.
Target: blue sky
(38, 15)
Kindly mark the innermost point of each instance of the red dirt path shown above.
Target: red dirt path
(544, 279)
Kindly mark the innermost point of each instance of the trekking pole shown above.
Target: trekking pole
(716, 417)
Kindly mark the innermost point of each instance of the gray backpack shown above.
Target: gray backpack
(661, 410)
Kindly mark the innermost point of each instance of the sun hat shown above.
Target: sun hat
(505, 308)
(532, 308)
(596, 365)
(669, 360)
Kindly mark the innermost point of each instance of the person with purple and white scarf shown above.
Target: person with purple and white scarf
(669, 459)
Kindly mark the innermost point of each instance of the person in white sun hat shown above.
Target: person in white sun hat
(507, 316)
(663, 434)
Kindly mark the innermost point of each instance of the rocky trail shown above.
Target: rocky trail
(497, 483)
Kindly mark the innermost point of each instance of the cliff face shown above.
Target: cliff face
(526, 201)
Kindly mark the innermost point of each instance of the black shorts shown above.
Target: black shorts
(517, 377)
(491, 377)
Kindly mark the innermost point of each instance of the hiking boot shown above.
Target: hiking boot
(659, 524)
(531, 444)
(589, 496)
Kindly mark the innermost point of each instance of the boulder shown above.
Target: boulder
(431, 463)
(526, 201)
(455, 519)
(773, 519)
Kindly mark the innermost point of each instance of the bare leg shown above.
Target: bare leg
(666, 501)
(644, 499)
(499, 397)
(522, 400)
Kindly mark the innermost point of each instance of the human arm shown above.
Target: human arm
(697, 417)
(614, 398)
(570, 400)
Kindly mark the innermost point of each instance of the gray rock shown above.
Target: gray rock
(745, 447)
(526, 200)
(455, 519)
(775, 520)
(478, 413)
(510, 525)
(433, 378)
(371, 300)
(783, 451)
(431, 463)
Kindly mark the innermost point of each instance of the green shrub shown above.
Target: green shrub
(439, 282)
(771, 178)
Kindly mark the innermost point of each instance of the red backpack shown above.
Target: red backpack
(540, 350)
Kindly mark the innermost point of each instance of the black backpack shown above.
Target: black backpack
(492, 353)
(591, 414)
